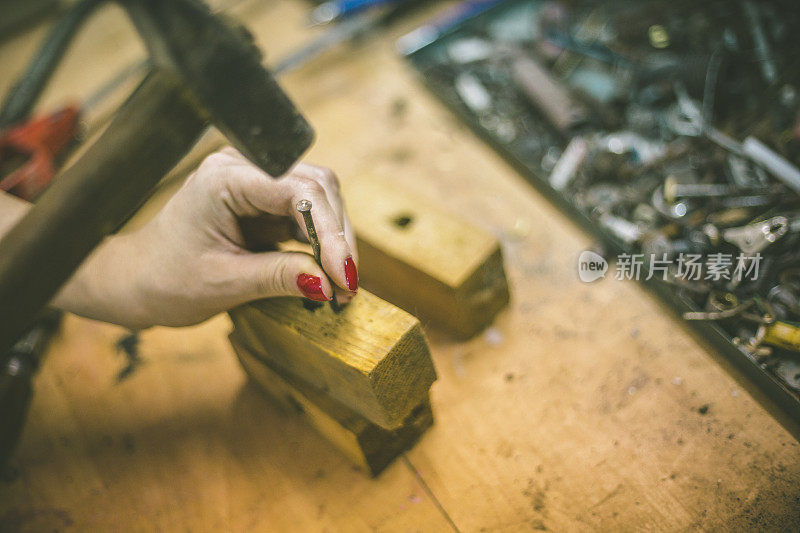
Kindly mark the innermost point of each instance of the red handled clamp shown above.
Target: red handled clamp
(32, 150)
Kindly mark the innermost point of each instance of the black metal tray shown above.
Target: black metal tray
(422, 57)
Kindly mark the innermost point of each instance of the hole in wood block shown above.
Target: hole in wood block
(403, 220)
(294, 403)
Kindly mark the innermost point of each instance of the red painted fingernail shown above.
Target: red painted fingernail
(311, 287)
(351, 274)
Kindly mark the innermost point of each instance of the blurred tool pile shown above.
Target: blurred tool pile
(668, 129)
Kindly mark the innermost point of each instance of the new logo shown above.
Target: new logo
(591, 266)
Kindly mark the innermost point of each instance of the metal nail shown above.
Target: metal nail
(304, 207)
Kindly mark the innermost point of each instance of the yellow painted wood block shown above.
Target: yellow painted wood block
(433, 264)
(371, 357)
(369, 446)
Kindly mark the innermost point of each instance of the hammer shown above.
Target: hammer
(206, 70)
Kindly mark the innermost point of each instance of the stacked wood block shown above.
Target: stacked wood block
(367, 445)
(360, 376)
(432, 263)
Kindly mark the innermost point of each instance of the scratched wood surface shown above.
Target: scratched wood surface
(583, 407)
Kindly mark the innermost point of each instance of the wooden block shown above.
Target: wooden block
(369, 446)
(429, 262)
(371, 357)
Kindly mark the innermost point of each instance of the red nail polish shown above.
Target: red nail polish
(311, 287)
(351, 274)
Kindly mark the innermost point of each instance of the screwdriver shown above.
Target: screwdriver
(348, 29)
(334, 10)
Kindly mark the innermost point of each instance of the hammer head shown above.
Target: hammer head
(221, 69)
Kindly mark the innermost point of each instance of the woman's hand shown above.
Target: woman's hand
(196, 259)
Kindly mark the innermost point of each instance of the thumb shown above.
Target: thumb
(272, 274)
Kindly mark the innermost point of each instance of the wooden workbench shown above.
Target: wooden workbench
(584, 407)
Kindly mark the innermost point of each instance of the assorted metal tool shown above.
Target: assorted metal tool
(629, 116)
